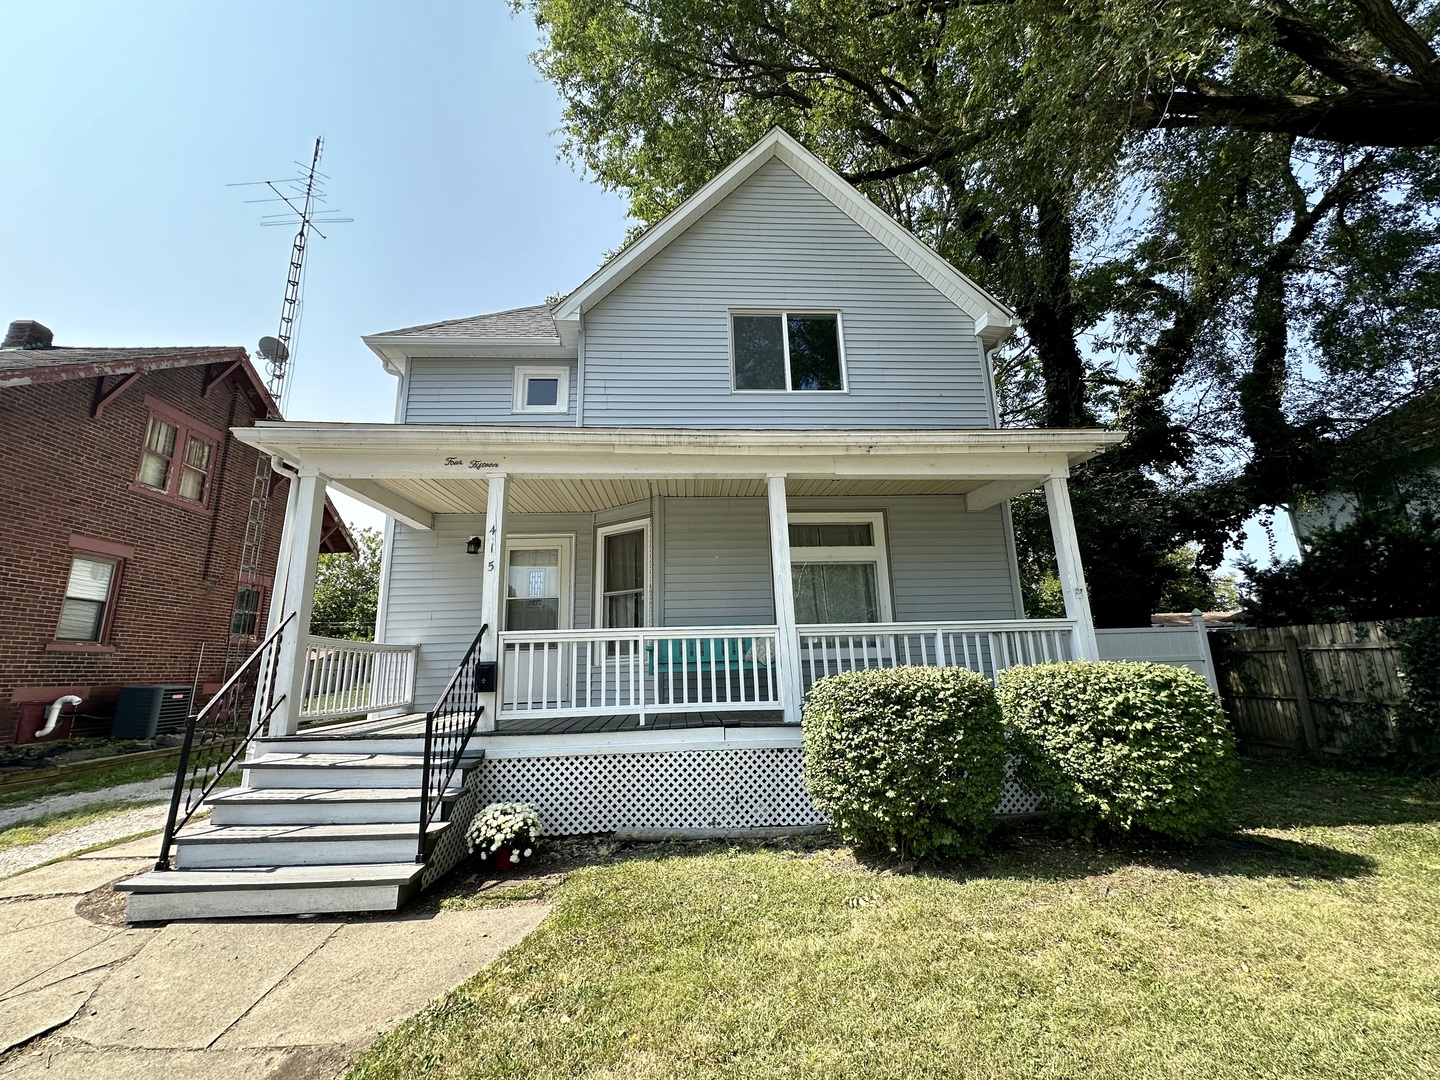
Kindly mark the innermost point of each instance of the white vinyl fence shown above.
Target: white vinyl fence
(1182, 646)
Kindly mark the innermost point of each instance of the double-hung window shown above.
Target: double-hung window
(787, 350)
(178, 456)
(89, 595)
(838, 568)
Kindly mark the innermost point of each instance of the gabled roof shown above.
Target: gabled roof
(993, 320)
(33, 367)
(551, 330)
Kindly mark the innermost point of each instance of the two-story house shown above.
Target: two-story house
(126, 497)
(628, 530)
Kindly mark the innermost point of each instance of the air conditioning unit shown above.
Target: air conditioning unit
(142, 712)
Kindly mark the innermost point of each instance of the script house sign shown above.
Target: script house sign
(473, 463)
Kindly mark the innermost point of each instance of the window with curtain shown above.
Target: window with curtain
(838, 569)
(177, 459)
(532, 589)
(623, 584)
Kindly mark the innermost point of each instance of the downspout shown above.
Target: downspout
(52, 714)
(278, 588)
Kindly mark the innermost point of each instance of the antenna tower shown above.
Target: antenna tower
(302, 196)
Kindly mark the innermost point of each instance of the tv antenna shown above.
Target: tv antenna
(303, 197)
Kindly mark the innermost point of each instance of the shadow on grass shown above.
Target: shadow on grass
(1051, 856)
(1272, 796)
(1293, 795)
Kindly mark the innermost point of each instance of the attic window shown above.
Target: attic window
(178, 457)
(542, 390)
(787, 350)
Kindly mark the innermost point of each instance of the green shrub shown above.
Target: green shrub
(1121, 746)
(910, 760)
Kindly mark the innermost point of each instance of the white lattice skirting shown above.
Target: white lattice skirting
(680, 790)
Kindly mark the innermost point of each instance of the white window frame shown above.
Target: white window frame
(877, 552)
(643, 525)
(525, 372)
(565, 542)
(784, 314)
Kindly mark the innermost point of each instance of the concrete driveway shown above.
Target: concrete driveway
(82, 994)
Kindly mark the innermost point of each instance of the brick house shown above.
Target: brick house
(125, 498)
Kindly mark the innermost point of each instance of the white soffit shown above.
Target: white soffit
(993, 320)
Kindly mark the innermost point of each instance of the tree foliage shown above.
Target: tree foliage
(347, 590)
(1382, 564)
(1216, 223)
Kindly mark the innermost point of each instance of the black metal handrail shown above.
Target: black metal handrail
(217, 736)
(448, 728)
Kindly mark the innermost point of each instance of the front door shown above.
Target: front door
(537, 598)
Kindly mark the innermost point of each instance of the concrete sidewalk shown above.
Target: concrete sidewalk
(82, 994)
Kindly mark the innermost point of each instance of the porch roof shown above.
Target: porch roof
(413, 471)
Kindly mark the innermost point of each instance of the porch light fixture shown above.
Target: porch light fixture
(473, 545)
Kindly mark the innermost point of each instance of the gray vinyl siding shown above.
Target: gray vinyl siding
(717, 563)
(713, 555)
(946, 564)
(657, 350)
(433, 591)
(476, 391)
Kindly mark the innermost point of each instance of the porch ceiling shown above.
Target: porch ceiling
(537, 496)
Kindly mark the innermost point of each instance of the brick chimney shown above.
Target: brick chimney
(28, 334)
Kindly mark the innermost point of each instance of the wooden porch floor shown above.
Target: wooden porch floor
(414, 724)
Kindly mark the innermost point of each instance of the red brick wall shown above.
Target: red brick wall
(64, 473)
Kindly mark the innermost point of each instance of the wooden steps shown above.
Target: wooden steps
(321, 823)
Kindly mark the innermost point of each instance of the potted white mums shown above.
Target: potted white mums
(504, 833)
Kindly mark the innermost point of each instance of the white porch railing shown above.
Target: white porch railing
(985, 647)
(346, 678)
(641, 672)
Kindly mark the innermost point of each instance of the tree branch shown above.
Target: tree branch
(1405, 43)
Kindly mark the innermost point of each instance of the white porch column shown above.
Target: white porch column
(787, 650)
(282, 560)
(1072, 571)
(492, 590)
(308, 509)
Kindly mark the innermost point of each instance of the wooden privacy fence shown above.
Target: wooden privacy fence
(1309, 687)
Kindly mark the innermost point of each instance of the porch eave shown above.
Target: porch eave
(452, 451)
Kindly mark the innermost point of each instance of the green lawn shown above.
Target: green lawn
(1306, 944)
(42, 828)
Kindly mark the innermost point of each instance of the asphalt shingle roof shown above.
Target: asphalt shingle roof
(534, 323)
(54, 359)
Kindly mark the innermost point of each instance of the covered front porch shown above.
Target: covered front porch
(584, 582)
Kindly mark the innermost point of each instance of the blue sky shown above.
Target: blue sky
(125, 122)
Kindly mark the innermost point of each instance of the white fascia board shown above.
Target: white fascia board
(438, 451)
(396, 352)
(993, 319)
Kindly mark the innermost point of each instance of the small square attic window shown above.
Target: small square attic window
(542, 390)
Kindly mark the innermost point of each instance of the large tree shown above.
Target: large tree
(1173, 206)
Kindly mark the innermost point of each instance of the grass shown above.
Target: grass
(121, 774)
(1304, 944)
(48, 825)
